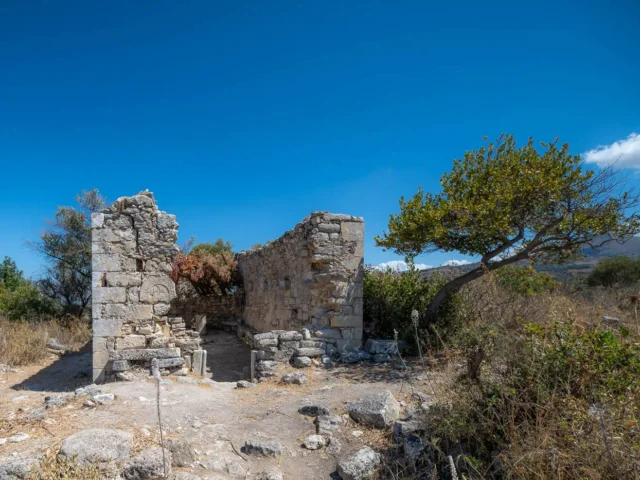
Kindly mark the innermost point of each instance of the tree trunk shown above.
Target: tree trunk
(454, 285)
(451, 287)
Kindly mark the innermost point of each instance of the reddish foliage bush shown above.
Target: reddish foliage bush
(210, 274)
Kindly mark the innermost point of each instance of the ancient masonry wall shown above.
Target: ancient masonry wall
(302, 294)
(133, 244)
(311, 277)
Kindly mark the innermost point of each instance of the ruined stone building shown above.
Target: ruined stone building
(301, 294)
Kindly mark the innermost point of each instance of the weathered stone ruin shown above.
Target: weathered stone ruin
(301, 295)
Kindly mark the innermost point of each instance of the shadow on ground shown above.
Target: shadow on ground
(384, 372)
(228, 359)
(67, 373)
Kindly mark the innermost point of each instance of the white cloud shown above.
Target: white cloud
(455, 263)
(401, 266)
(624, 153)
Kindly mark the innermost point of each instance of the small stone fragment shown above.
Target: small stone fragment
(301, 362)
(334, 446)
(57, 400)
(245, 384)
(272, 474)
(327, 424)
(37, 414)
(314, 410)
(314, 442)
(103, 398)
(295, 378)
(257, 447)
(359, 465)
(381, 358)
(18, 437)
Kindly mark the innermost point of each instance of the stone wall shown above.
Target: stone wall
(302, 292)
(311, 277)
(133, 244)
(220, 311)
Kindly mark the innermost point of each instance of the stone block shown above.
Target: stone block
(265, 355)
(103, 262)
(374, 346)
(146, 354)
(161, 308)
(310, 352)
(109, 295)
(157, 289)
(171, 362)
(131, 342)
(267, 342)
(97, 220)
(312, 344)
(199, 362)
(289, 347)
(120, 365)
(159, 341)
(342, 321)
(200, 324)
(328, 333)
(290, 336)
(352, 231)
(129, 312)
(107, 327)
(127, 279)
(329, 227)
(99, 375)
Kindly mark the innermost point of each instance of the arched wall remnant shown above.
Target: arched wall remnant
(311, 277)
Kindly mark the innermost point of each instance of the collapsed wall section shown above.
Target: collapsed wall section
(133, 244)
(311, 277)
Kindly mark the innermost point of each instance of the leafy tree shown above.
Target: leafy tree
(615, 272)
(19, 297)
(507, 203)
(10, 276)
(390, 298)
(526, 280)
(66, 246)
(218, 246)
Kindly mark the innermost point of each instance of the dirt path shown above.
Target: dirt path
(214, 418)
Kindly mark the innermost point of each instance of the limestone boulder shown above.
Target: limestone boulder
(101, 445)
(265, 449)
(359, 465)
(379, 410)
(148, 465)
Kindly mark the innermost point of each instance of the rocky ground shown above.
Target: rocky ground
(319, 429)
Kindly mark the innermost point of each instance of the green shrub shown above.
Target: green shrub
(19, 298)
(389, 299)
(615, 272)
(563, 403)
(525, 280)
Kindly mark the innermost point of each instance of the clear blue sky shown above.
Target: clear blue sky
(243, 117)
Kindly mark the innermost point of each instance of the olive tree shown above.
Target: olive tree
(508, 203)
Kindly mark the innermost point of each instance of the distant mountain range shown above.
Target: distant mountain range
(566, 271)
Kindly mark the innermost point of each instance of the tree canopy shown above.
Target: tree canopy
(507, 203)
(66, 246)
(19, 297)
(615, 272)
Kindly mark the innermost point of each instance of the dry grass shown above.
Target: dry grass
(25, 343)
(520, 416)
(53, 467)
